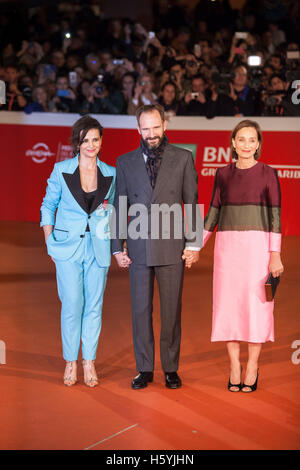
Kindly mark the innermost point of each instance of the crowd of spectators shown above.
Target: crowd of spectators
(209, 61)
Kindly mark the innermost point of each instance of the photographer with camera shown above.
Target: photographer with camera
(176, 73)
(238, 50)
(143, 93)
(177, 76)
(195, 101)
(104, 98)
(16, 99)
(191, 66)
(277, 101)
(65, 98)
(231, 95)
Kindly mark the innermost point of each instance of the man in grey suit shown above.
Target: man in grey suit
(151, 180)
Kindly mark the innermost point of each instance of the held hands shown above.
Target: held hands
(190, 257)
(123, 259)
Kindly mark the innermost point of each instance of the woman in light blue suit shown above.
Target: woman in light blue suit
(80, 190)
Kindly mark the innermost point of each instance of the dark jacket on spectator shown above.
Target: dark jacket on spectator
(193, 108)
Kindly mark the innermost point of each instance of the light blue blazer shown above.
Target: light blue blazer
(64, 195)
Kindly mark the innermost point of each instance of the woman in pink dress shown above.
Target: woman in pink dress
(245, 206)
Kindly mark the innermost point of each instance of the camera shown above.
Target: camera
(194, 95)
(270, 100)
(73, 79)
(151, 34)
(255, 78)
(254, 61)
(222, 80)
(99, 88)
(63, 93)
(293, 55)
(241, 35)
(197, 50)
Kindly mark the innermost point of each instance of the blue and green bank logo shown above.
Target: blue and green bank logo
(191, 147)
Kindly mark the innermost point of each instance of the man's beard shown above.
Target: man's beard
(156, 142)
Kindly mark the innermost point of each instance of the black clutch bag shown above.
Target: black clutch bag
(271, 286)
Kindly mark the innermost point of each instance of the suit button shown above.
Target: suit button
(89, 217)
(81, 236)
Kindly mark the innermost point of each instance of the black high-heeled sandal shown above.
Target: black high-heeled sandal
(252, 387)
(239, 386)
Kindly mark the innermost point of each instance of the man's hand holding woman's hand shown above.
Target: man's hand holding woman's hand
(123, 259)
(190, 257)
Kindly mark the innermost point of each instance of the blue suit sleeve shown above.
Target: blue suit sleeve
(51, 199)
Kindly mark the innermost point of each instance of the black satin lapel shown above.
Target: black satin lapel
(103, 185)
(74, 184)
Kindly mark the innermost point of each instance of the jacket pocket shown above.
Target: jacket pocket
(60, 235)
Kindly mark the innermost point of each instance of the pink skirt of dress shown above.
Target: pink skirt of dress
(240, 309)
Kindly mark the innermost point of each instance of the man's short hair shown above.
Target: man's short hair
(149, 108)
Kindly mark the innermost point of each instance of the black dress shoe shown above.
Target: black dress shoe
(172, 380)
(141, 380)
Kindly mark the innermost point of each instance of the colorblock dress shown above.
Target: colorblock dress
(246, 206)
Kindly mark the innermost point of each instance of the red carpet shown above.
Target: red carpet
(38, 412)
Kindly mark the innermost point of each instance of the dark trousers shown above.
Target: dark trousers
(170, 282)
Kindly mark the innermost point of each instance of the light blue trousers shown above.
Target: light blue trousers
(81, 284)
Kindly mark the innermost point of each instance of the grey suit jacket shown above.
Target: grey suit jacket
(176, 184)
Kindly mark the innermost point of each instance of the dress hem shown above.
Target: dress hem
(243, 340)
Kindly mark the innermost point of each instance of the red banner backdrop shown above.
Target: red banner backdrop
(30, 151)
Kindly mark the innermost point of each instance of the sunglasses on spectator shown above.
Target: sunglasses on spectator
(145, 82)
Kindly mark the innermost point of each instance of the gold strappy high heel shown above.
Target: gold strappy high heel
(90, 376)
(70, 376)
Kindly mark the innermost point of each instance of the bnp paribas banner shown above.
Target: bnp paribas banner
(34, 145)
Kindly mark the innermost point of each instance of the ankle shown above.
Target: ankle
(252, 364)
(235, 364)
(71, 363)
